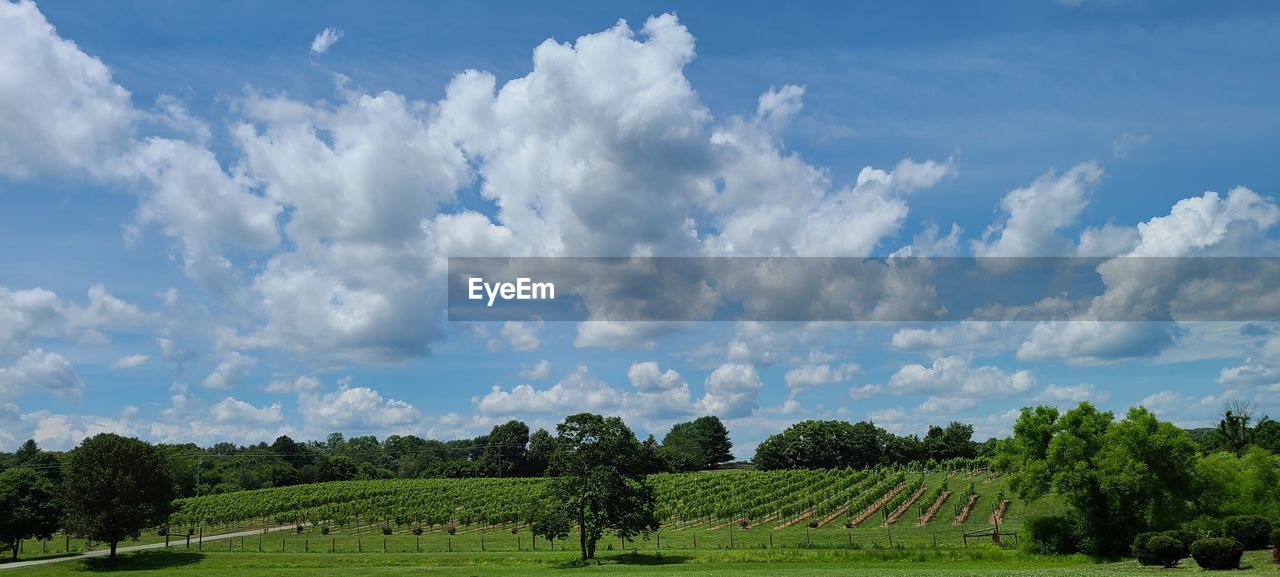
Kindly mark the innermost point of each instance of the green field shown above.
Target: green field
(958, 563)
(702, 534)
(777, 540)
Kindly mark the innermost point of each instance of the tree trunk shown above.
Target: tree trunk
(16, 544)
(113, 549)
(582, 529)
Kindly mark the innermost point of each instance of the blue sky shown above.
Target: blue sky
(211, 230)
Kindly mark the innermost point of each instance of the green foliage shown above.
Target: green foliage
(1251, 531)
(1120, 478)
(505, 451)
(821, 445)
(1229, 484)
(1217, 553)
(1054, 535)
(701, 443)
(28, 507)
(1275, 537)
(598, 471)
(1158, 549)
(115, 487)
(1204, 527)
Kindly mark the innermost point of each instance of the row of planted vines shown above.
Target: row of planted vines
(686, 503)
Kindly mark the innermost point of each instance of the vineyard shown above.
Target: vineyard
(721, 509)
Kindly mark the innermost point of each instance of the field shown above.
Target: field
(701, 511)
(871, 522)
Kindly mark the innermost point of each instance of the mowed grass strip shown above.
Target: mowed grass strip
(973, 562)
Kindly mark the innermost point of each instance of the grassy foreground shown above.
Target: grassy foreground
(950, 563)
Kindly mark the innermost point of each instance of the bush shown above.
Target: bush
(386, 530)
(417, 530)
(1251, 531)
(1182, 536)
(1054, 535)
(324, 530)
(1275, 537)
(1203, 527)
(1139, 548)
(1217, 553)
(1157, 549)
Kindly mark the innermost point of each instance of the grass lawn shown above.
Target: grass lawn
(798, 562)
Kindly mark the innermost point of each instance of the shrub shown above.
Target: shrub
(298, 528)
(1158, 549)
(1139, 548)
(1203, 527)
(386, 530)
(417, 530)
(1182, 536)
(324, 530)
(1054, 535)
(1217, 553)
(1251, 531)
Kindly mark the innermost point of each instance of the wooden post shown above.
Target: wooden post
(695, 540)
(659, 536)
(306, 545)
(850, 535)
(384, 544)
(935, 539)
(333, 545)
(889, 530)
(200, 541)
(451, 544)
(770, 540)
(730, 537)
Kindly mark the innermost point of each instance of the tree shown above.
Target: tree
(822, 445)
(541, 444)
(1267, 434)
(597, 465)
(902, 449)
(551, 521)
(701, 443)
(1233, 429)
(1120, 478)
(116, 487)
(29, 503)
(45, 463)
(504, 453)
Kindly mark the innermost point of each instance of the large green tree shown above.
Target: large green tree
(821, 445)
(115, 487)
(597, 467)
(28, 507)
(506, 449)
(1120, 478)
(700, 443)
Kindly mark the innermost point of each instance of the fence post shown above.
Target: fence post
(770, 540)
(935, 539)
